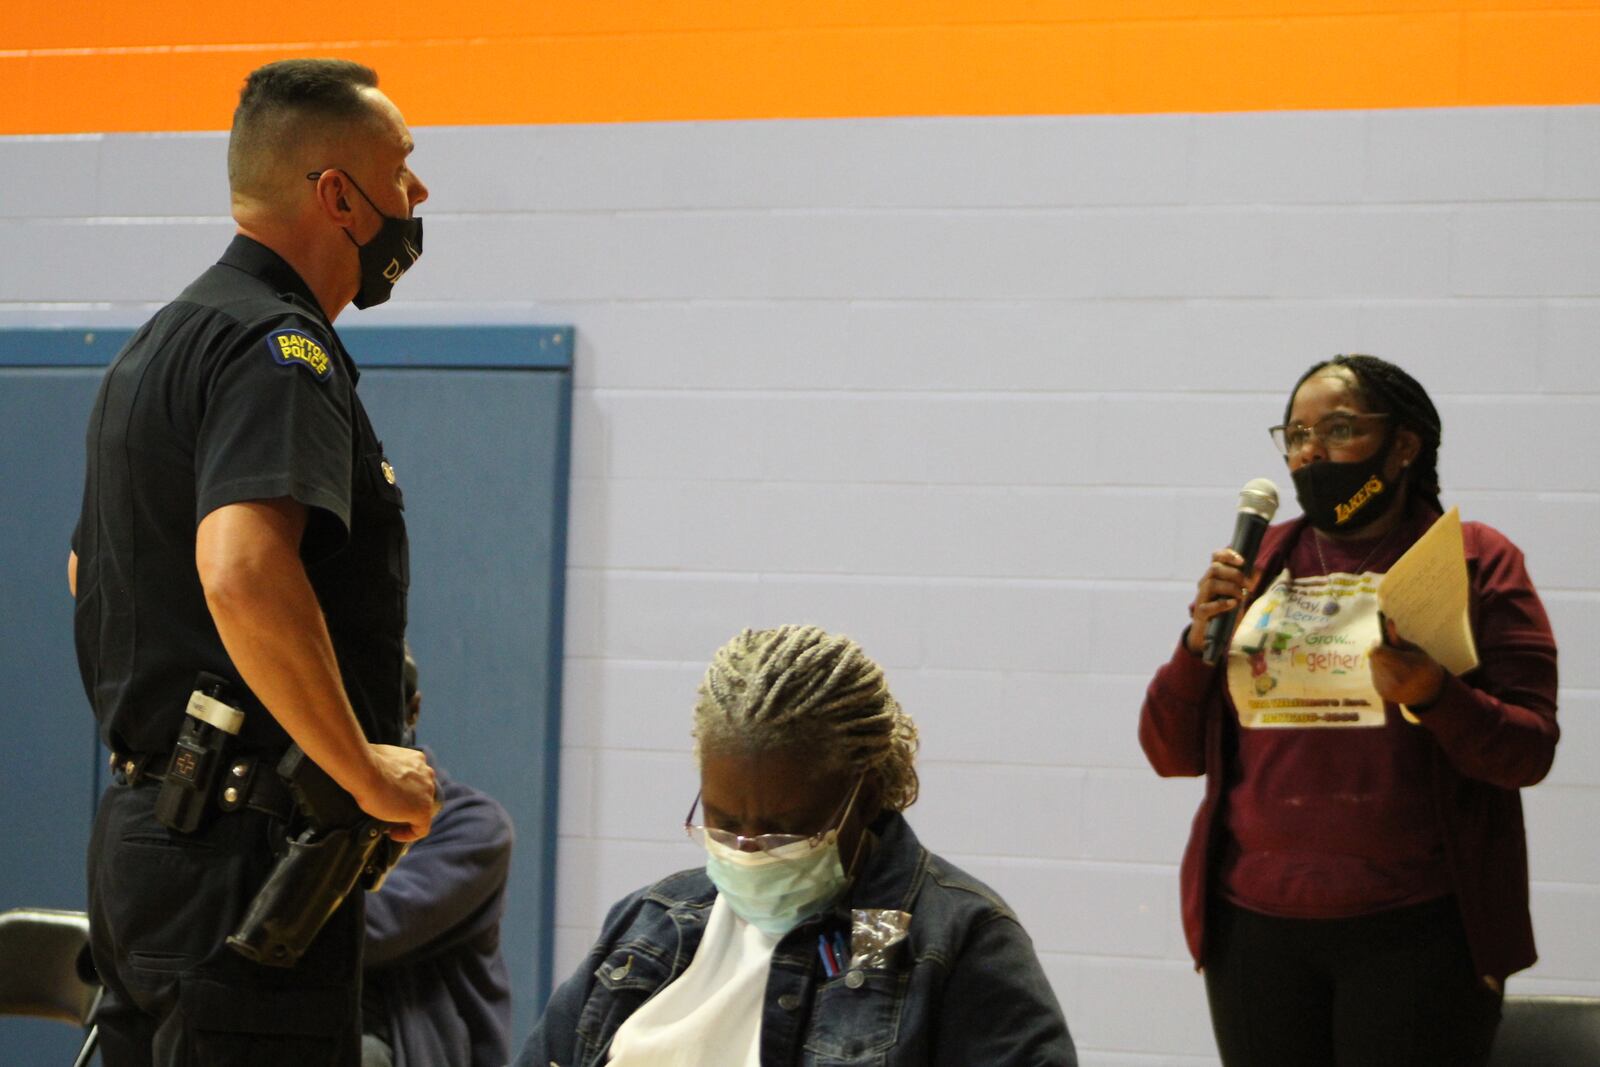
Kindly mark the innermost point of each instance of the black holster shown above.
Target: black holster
(340, 846)
(305, 888)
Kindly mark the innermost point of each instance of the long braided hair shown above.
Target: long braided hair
(1391, 391)
(800, 685)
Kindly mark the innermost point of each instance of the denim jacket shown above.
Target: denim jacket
(964, 988)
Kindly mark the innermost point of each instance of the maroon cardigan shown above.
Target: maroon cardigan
(1495, 732)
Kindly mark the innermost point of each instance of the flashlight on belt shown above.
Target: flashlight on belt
(211, 722)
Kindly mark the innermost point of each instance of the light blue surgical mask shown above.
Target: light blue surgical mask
(778, 890)
(783, 881)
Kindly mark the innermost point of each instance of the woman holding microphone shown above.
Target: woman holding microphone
(1355, 887)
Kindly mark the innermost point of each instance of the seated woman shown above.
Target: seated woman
(819, 930)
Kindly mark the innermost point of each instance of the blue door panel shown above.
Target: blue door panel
(481, 459)
(47, 776)
(480, 447)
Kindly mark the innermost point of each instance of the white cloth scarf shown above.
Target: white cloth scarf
(710, 1016)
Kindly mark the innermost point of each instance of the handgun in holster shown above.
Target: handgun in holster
(339, 846)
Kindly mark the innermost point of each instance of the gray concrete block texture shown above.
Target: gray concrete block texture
(979, 392)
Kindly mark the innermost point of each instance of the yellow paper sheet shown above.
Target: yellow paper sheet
(1426, 591)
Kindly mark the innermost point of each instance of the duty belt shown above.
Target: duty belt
(251, 781)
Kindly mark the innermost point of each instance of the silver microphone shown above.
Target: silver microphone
(1258, 502)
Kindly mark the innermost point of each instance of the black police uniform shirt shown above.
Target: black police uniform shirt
(238, 390)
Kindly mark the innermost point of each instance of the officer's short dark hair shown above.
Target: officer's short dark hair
(281, 103)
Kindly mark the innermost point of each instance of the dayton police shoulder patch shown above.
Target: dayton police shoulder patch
(296, 347)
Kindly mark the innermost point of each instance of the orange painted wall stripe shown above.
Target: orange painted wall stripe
(90, 66)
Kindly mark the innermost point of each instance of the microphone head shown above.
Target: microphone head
(1259, 497)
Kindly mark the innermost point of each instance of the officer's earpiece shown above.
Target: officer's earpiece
(344, 205)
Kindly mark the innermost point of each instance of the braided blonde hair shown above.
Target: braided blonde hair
(800, 685)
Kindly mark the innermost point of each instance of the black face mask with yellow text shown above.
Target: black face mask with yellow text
(1341, 497)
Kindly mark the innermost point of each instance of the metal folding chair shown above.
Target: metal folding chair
(45, 970)
(1540, 1031)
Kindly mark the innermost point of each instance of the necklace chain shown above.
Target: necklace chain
(1316, 543)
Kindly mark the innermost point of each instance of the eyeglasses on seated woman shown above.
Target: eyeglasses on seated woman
(818, 930)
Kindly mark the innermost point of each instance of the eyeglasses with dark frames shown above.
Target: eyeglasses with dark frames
(1334, 431)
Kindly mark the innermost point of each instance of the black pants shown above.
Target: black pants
(161, 905)
(1395, 989)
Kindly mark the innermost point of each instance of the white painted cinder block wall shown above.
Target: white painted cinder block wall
(978, 392)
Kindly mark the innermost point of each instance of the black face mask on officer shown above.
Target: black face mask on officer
(1340, 497)
(386, 258)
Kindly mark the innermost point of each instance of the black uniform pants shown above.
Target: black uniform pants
(1395, 989)
(161, 905)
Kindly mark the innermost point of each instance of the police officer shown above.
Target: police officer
(240, 518)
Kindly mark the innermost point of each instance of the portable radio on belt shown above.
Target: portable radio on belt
(210, 725)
